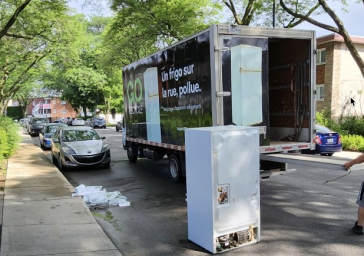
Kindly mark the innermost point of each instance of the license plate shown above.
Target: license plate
(330, 140)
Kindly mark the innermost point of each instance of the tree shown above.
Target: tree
(29, 90)
(339, 29)
(12, 19)
(76, 71)
(28, 33)
(83, 88)
(141, 27)
(259, 12)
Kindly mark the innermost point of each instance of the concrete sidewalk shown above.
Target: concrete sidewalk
(39, 215)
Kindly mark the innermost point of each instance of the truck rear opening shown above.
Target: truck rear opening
(289, 89)
(224, 75)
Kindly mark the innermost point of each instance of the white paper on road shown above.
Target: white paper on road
(96, 195)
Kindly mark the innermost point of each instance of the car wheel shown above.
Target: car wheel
(54, 160)
(132, 153)
(116, 129)
(41, 145)
(107, 165)
(60, 165)
(175, 169)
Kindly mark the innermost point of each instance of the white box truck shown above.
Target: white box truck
(224, 75)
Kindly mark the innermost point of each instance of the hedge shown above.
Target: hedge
(9, 137)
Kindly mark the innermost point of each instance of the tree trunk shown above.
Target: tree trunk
(84, 111)
(2, 107)
(340, 29)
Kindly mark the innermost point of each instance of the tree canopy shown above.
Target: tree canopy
(29, 31)
(140, 28)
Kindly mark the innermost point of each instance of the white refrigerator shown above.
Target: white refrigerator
(223, 190)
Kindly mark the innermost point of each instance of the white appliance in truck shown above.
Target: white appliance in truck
(223, 189)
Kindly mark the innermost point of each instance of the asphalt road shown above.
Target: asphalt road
(301, 214)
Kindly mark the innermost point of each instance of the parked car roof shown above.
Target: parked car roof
(77, 128)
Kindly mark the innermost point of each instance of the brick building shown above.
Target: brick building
(51, 106)
(338, 78)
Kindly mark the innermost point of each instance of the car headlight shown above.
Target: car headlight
(68, 150)
(105, 147)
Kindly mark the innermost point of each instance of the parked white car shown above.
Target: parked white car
(78, 121)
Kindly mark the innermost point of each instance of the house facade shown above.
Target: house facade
(339, 82)
(51, 106)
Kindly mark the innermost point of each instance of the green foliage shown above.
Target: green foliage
(15, 112)
(3, 143)
(351, 130)
(324, 118)
(83, 87)
(139, 28)
(9, 137)
(36, 31)
(353, 142)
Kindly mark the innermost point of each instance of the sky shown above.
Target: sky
(352, 19)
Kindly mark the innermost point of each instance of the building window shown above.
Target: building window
(64, 111)
(33, 103)
(63, 102)
(54, 101)
(54, 111)
(321, 56)
(320, 95)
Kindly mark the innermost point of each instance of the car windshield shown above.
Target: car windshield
(79, 135)
(39, 120)
(99, 119)
(52, 128)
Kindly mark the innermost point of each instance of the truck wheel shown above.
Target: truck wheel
(175, 169)
(132, 153)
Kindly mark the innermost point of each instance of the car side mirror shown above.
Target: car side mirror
(103, 137)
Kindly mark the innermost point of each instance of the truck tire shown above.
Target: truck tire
(132, 153)
(175, 169)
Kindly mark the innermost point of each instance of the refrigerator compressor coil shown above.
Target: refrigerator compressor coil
(235, 239)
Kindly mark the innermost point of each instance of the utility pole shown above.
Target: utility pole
(274, 13)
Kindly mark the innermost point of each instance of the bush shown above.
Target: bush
(353, 142)
(14, 112)
(9, 137)
(3, 143)
(351, 130)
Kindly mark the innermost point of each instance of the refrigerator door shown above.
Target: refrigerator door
(223, 193)
(236, 182)
(246, 84)
(152, 105)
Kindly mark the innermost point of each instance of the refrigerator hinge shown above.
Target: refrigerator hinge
(223, 94)
(222, 48)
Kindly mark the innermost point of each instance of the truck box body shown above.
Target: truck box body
(224, 75)
(188, 85)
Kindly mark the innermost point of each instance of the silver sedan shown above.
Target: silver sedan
(75, 146)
